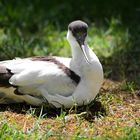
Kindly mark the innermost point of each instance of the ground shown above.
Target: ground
(114, 115)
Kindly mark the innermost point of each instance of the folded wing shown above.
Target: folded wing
(28, 76)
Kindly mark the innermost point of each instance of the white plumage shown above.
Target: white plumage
(55, 82)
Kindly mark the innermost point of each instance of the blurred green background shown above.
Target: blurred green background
(38, 27)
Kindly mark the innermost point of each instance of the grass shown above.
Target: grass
(51, 40)
(114, 115)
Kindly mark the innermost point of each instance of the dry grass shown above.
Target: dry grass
(114, 115)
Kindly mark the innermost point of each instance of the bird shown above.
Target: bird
(52, 80)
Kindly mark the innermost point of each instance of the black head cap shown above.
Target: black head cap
(79, 30)
(78, 26)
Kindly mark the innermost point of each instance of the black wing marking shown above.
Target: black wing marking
(5, 75)
(76, 78)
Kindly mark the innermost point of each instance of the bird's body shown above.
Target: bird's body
(56, 80)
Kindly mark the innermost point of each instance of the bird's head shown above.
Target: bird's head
(77, 34)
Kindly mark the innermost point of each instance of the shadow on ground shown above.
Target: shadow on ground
(88, 112)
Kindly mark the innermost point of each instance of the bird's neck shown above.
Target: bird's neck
(91, 73)
(78, 56)
(79, 63)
